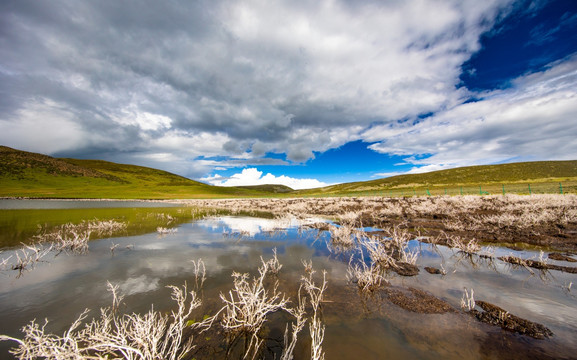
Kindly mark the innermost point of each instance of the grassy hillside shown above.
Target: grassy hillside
(492, 176)
(25, 174)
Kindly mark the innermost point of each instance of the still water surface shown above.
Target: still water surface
(357, 327)
(79, 204)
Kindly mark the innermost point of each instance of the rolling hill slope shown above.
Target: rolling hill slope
(488, 175)
(26, 174)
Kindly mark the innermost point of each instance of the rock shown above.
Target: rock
(432, 270)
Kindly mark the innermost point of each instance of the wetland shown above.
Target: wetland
(342, 278)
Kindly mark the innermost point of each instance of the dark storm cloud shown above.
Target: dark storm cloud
(167, 83)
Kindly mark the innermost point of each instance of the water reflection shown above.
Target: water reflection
(79, 204)
(65, 285)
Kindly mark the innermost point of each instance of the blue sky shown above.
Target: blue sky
(300, 93)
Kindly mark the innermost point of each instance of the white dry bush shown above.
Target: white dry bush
(400, 238)
(247, 306)
(468, 300)
(367, 278)
(73, 238)
(155, 335)
(300, 320)
(199, 271)
(308, 265)
(160, 335)
(469, 247)
(410, 256)
(166, 231)
(316, 327)
(272, 266)
(4, 262)
(377, 252)
(27, 257)
(342, 235)
(72, 241)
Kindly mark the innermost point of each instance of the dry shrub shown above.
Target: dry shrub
(155, 335)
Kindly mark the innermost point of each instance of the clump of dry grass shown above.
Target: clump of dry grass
(300, 321)
(27, 257)
(155, 335)
(272, 266)
(468, 300)
(469, 247)
(166, 231)
(316, 327)
(367, 278)
(247, 306)
(69, 238)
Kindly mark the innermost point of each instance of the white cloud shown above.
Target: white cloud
(231, 80)
(42, 127)
(138, 285)
(533, 120)
(252, 176)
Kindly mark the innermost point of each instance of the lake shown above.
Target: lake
(368, 326)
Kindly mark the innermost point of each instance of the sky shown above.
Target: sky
(301, 93)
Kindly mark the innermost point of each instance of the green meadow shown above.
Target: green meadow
(31, 175)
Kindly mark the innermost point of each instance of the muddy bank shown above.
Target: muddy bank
(496, 316)
(540, 265)
(548, 221)
(418, 301)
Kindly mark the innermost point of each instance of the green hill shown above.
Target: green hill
(26, 174)
(515, 175)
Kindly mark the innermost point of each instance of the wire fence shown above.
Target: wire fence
(569, 187)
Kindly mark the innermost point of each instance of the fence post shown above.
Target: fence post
(461, 190)
(503, 189)
(529, 189)
(560, 188)
(480, 190)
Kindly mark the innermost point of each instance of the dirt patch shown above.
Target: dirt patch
(418, 301)
(538, 220)
(494, 315)
(561, 257)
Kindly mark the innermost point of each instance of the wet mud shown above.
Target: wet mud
(497, 316)
(405, 269)
(540, 265)
(418, 301)
(561, 257)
